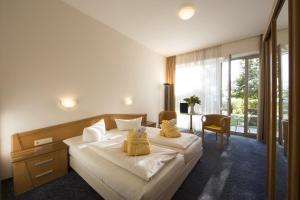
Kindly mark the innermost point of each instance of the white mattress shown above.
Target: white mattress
(121, 181)
(189, 153)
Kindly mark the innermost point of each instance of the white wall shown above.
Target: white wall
(49, 50)
(283, 37)
(238, 48)
(242, 47)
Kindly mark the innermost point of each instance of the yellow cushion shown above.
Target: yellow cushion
(169, 130)
(213, 127)
(125, 146)
(136, 144)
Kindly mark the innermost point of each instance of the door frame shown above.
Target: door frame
(246, 103)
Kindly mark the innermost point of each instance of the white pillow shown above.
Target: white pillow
(95, 132)
(127, 124)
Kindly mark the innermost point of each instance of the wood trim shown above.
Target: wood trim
(278, 4)
(266, 88)
(270, 117)
(246, 95)
(267, 124)
(285, 132)
(25, 140)
(229, 86)
(32, 152)
(290, 187)
(263, 83)
(293, 192)
(268, 28)
(271, 143)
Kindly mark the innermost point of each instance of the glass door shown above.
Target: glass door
(253, 85)
(238, 79)
(239, 93)
(225, 88)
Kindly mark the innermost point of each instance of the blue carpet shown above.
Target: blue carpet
(238, 173)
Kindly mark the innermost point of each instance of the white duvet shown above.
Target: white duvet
(182, 142)
(145, 166)
(124, 183)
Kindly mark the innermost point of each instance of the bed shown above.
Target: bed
(114, 182)
(190, 151)
(109, 180)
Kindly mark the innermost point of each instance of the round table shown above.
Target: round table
(191, 120)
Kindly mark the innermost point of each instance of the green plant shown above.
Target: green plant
(192, 100)
(253, 103)
(253, 81)
(237, 105)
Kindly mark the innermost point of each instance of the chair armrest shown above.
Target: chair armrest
(206, 120)
(203, 118)
(225, 123)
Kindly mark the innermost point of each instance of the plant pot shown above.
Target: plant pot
(192, 109)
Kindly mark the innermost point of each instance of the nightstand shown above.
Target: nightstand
(36, 166)
(149, 124)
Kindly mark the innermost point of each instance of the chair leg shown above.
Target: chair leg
(228, 138)
(221, 144)
(202, 135)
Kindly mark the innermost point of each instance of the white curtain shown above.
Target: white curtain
(198, 73)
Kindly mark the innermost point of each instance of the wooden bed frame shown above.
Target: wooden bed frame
(36, 165)
(25, 140)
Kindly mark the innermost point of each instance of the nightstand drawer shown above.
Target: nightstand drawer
(47, 167)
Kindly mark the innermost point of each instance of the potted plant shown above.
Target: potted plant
(191, 101)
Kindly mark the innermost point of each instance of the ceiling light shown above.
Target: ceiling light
(186, 12)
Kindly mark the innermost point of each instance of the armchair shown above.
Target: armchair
(220, 124)
(166, 115)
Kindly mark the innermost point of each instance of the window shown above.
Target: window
(203, 80)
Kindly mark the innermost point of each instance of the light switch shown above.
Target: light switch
(43, 141)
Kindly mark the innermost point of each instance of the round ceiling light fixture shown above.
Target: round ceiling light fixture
(186, 12)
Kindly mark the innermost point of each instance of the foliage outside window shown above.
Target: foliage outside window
(238, 92)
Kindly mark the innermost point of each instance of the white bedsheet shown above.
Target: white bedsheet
(121, 181)
(192, 150)
(182, 142)
(145, 166)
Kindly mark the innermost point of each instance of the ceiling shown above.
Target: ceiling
(154, 23)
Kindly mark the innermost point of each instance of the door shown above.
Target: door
(225, 100)
(252, 94)
(239, 93)
(237, 96)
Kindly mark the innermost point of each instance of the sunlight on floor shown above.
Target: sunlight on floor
(214, 187)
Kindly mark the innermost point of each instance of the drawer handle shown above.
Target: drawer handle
(44, 173)
(43, 162)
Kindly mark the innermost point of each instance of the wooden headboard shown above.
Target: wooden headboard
(25, 140)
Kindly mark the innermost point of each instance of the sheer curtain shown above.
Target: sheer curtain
(198, 73)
